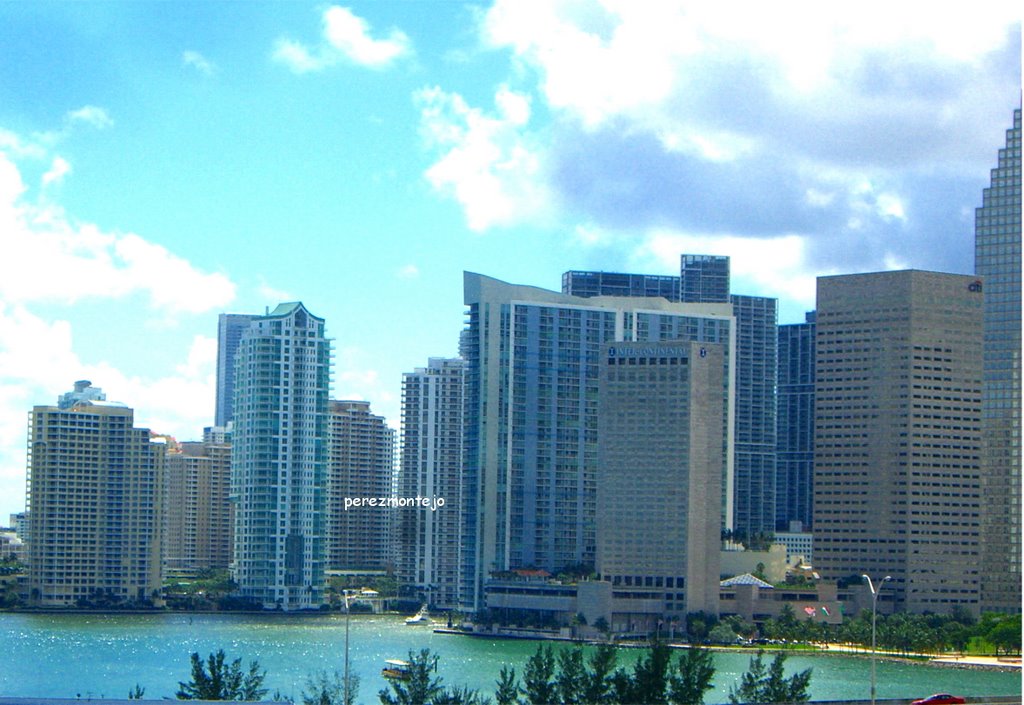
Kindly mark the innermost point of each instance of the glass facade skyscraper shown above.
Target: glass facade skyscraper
(997, 258)
(589, 284)
(230, 328)
(794, 471)
(532, 375)
(704, 278)
(279, 459)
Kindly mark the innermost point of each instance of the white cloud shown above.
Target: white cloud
(409, 271)
(38, 362)
(488, 162)
(775, 267)
(345, 37)
(90, 115)
(58, 170)
(642, 60)
(199, 62)
(272, 295)
(49, 257)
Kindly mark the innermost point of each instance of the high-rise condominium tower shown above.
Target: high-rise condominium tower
(431, 468)
(279, 459)
(794, 474)
(532, 372)
(362, 466)
(897, 486)
(704, 279)
(197, 512)
(997, 259)
(230, 328)
(94, 499)
(659, 474)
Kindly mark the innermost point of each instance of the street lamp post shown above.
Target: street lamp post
(348, 616)
(874, 616)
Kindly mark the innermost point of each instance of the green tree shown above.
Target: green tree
(219, 681)
(769, 685)
(692, 679)
(571, 679)
(322, 689)
(650, 675)
(508, 688)
(538, 677)
(722, 634)
(599, 675)
(136, 693)
(1006, 635)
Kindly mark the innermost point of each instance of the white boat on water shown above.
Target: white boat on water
(420, 617)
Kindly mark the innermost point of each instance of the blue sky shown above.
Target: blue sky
(161, 163)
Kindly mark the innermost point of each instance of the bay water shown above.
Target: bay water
(92, 656)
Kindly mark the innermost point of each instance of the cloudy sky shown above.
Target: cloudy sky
(161, 163)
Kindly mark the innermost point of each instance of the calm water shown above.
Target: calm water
(105, 656)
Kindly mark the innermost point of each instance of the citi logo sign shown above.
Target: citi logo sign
(974, 286)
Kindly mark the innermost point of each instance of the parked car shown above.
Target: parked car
(940, 699)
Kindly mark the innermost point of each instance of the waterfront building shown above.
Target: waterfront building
(659, 478)
(82, 391)
(197, 512)
(897, 487)
(794, 473)
(704, 278)
(230, 329)
(94, 497)
(427, 537)
(19, 522)
(756, 370)
(997, 258)
(588, 284)
(362, 466)
(799, 544)
(531, 417)
(279, 459)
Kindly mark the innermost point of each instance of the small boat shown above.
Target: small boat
(420, 617)
(396, 670)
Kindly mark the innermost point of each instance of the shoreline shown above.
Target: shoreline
(967, 662)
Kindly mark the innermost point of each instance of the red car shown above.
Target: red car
(940, 699)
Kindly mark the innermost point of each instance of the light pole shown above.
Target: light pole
(348, 616)
(874, 616)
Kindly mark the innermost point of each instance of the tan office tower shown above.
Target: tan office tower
(897, 487)
(659, 478)
(94, 499)
(361, 452)
(197, 514)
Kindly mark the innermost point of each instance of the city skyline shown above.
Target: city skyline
(158, 171)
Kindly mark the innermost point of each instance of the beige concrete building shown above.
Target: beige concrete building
(197, 514)
(898, 434)
(659, 474)
(361, 467)
(94, 495)
(427, 537)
